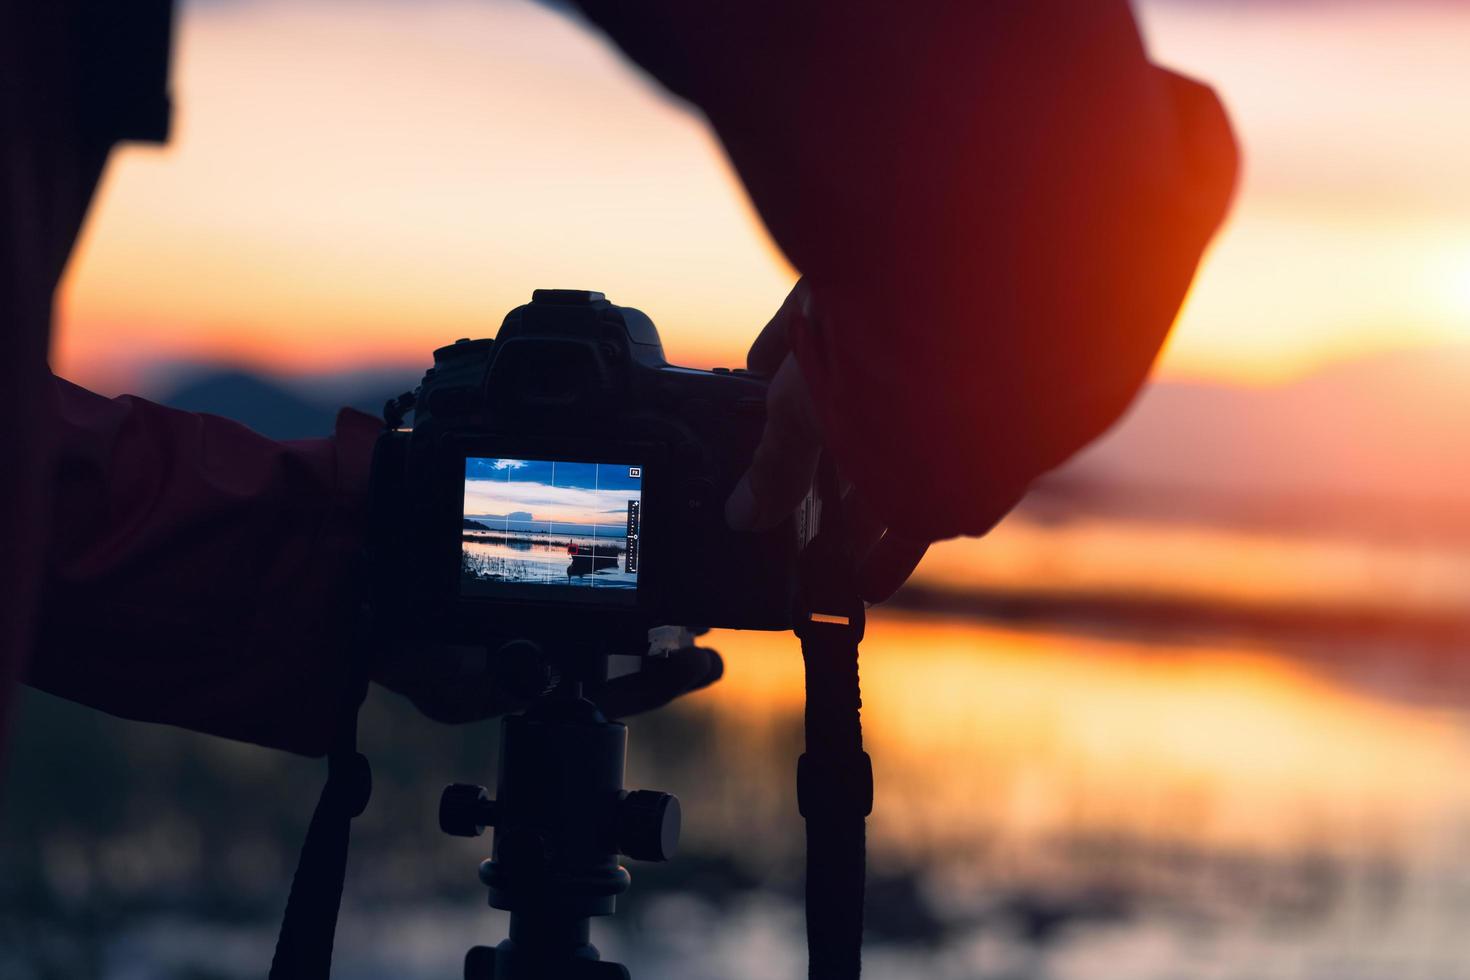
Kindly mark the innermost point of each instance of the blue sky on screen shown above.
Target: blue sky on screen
(586, 476)
(579, 493)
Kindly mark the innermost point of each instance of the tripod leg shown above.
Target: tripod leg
(482, 962)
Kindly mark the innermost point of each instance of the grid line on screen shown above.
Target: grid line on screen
(494, 565)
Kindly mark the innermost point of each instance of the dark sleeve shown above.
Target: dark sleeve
(999, 208)
(200, 574)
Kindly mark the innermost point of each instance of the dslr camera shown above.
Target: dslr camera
(559, 497)
(563, 484)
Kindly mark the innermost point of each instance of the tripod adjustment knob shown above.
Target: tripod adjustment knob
(465, 810)
(648, 825)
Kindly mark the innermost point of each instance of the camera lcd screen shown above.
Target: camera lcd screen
(548, 529)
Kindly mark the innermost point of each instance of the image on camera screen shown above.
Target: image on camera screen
(544, 529)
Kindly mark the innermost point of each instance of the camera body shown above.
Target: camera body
(564, 484)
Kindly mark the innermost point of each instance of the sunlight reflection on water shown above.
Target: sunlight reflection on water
(1147, 558)
(1050, 803)
(1030, 733)
(1177, 810)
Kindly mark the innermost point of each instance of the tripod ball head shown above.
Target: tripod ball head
(561, 819)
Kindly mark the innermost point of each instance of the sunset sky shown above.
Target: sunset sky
(564, 493)
(355, 183)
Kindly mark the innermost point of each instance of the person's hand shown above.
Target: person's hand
(454, 686)
(785, 462)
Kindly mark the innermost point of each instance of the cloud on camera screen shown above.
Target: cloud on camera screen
(547, 529)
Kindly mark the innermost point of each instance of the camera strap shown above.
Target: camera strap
(304, 945)
(834, 777)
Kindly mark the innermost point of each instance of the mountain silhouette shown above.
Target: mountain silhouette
(1374, 443)
(280, 410)
(254, 401)
(1393, 426)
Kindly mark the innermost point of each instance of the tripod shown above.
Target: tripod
(561, 818)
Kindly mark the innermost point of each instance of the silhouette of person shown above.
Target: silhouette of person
(996, 208)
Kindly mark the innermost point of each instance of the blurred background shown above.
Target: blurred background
(1200, 708)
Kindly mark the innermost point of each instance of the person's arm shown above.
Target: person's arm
(997, 209)
(198, 573)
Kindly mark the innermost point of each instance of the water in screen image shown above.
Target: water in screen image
(543, 528)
